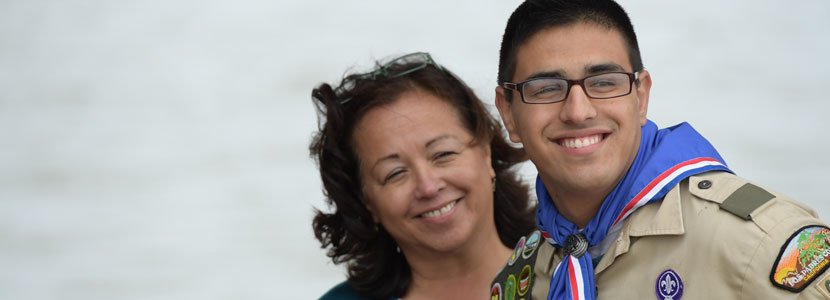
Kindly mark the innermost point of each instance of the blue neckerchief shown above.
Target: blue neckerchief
(665, 157)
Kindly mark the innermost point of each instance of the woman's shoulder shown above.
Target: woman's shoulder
(342, 291)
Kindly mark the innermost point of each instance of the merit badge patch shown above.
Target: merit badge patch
(517, 252)
(531, 244)
(804, 256)
(510, 288)
(495, 292)
(525, 277)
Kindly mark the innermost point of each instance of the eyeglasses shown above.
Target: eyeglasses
(396, 67)
(551, 90)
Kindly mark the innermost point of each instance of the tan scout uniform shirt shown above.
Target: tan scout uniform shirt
(716, 254)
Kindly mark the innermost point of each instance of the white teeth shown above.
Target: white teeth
(439, 212)
(575, 143)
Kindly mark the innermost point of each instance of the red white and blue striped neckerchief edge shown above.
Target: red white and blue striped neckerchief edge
(665, 157)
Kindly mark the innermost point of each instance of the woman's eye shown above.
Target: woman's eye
(395, 174)
(444, 156)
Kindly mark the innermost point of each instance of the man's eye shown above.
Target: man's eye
(547, 90)
(604, 83)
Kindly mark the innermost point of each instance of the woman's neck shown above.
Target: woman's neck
(466, 274)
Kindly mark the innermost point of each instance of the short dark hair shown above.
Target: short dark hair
(375, 269)
(533, 16)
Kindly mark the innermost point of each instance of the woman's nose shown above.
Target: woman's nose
(429, 183)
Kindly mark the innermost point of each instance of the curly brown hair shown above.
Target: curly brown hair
(375, 268)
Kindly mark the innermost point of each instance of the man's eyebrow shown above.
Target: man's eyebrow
(547, 74)
(602, 68)
(589, 70)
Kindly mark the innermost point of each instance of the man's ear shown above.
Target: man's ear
(643, 91)
(505, 107)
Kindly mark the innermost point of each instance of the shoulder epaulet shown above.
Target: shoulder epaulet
(745, 200)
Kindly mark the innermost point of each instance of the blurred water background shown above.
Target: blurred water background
(158, 149)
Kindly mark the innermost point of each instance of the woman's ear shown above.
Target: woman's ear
(374, 217)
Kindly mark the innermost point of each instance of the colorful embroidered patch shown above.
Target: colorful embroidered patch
(495, 292)
(804, 256)
(669, 286)
(517, 252)
(510, 288)
(531, 244)
(524, 279)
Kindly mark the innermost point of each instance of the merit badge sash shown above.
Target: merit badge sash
(515, 280)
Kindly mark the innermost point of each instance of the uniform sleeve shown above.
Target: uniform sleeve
(792, 260)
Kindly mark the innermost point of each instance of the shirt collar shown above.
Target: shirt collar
(660, 218)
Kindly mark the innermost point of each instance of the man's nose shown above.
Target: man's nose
(577, 106)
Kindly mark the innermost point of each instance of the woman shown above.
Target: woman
(417, 175)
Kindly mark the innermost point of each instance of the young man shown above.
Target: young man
(627, 210)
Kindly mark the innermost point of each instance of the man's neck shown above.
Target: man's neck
(578, 209)
(578, 204)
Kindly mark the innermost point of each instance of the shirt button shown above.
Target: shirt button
(704, 184)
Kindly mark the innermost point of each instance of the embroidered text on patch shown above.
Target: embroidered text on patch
(804, 256)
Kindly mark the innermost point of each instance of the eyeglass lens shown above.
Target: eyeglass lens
(602, 86)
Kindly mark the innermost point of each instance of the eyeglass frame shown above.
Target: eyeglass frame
(381, 71)
(519, 87)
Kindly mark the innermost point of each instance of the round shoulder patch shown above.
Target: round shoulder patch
(804, 257)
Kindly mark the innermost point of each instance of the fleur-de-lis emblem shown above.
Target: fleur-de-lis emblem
(669, 285)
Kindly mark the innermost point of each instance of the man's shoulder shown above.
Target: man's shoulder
(744, 208)
(786, 245)
(746, 200)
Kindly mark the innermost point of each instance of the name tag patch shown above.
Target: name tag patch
(804, 257)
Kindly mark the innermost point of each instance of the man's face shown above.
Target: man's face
(582, 147)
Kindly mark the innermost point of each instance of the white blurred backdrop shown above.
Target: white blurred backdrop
(158, 149)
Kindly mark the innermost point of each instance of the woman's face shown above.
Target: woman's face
(423, 180)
